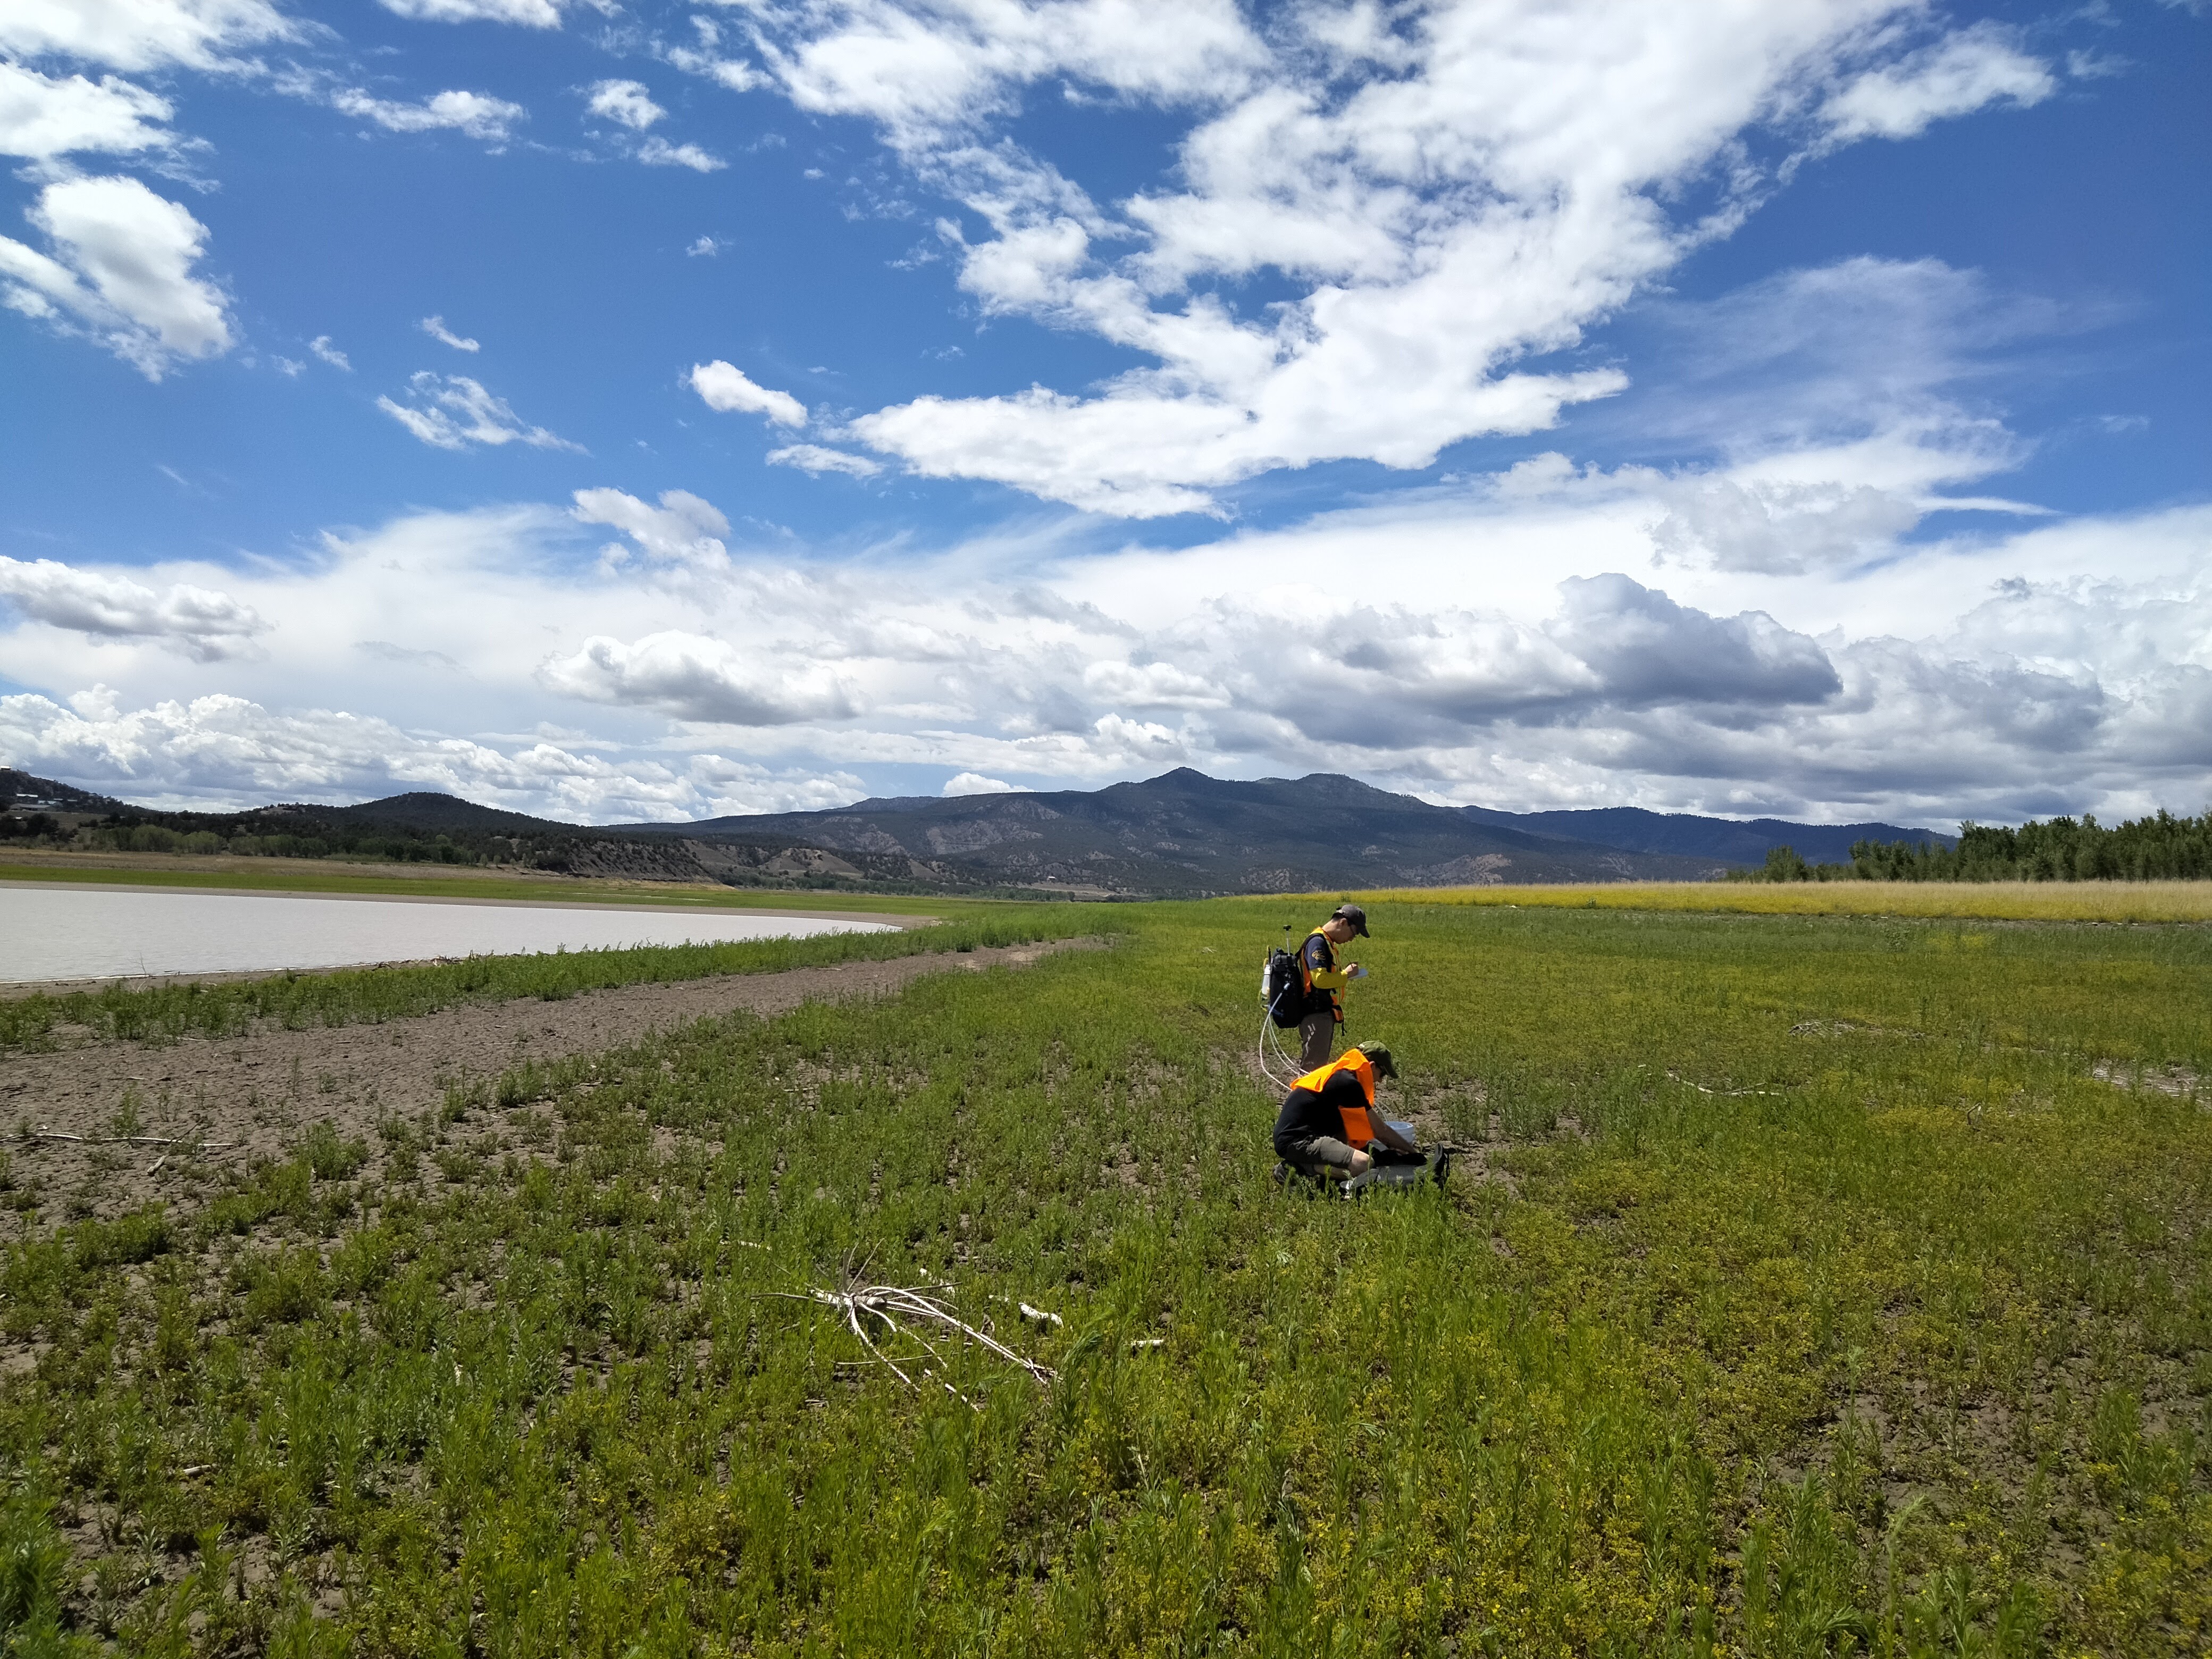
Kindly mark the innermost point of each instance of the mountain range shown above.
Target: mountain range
(1734, 841)
(1180, 834)
(1186, 833)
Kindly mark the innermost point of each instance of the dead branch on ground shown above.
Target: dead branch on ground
(22, 1135)
(897, 1311)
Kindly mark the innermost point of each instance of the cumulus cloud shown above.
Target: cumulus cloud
(1520, 645)
(1779, 526)
(626, 102)
(136, 36)
(813, 458)
(696, 679)
(683, 530)
(1645, 650)
(221, 752)
(1962, 72)
(920, 70)
(1153, 684)
(975, 783)
(629, 105)
(321, 346)
(734, 73)
(121, 271)
(476, 114)
(529, 13)
(658, 152)
(1449, 199)
(724, 387)
(436, 329)
(205, 625)
(42, 117)
(454, 411)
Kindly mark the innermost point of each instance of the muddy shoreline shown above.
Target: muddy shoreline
(260, 1092)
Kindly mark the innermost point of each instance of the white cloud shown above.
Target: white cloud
(705, 248)
(1449, 198)
(529, 13)
(206, 625)
(627, 102)
(219, 751)
(476, 114)
(722, 386)
(975, 783)
(42, 117)
(1779, 526)
(919, 69)
(698, 678)
(734, 73)
(658, 152)
(436, 329)
(321, 346)
(123, 273)
(1515, 639)
(454, 411)
(683, 530)
(1152, 684)
(135, 35)
(1962, 72)
(815, 459)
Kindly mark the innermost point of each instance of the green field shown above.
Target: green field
(1814, 1284)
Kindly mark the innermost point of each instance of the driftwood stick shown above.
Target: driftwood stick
(904, 1314)
(123, 1140)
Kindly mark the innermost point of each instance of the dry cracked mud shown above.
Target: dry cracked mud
(259, 1093)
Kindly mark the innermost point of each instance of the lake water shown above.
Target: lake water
(78, 932)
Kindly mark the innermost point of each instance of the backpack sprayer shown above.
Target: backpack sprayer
(1283, 1000)
(1283, 994)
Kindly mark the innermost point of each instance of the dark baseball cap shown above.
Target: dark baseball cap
(1379, 1058)
(1355, 915)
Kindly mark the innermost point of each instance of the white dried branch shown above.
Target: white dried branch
(122, 1141)
(907, 1313)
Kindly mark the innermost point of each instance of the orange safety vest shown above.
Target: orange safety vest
(1358, 1130)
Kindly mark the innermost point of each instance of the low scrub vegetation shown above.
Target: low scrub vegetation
(1809, 1287)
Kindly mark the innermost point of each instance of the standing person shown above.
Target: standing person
(1324, 980)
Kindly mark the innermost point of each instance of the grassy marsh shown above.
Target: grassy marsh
(1817, 1285)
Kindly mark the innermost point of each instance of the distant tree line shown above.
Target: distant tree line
(2162, 847)
(286, 834)
(398, 846)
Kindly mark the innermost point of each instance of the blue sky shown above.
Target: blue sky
(637, 411)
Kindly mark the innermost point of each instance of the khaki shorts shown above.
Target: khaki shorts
(1321, 1153)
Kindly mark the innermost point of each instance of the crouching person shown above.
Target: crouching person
(1328, 1119)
